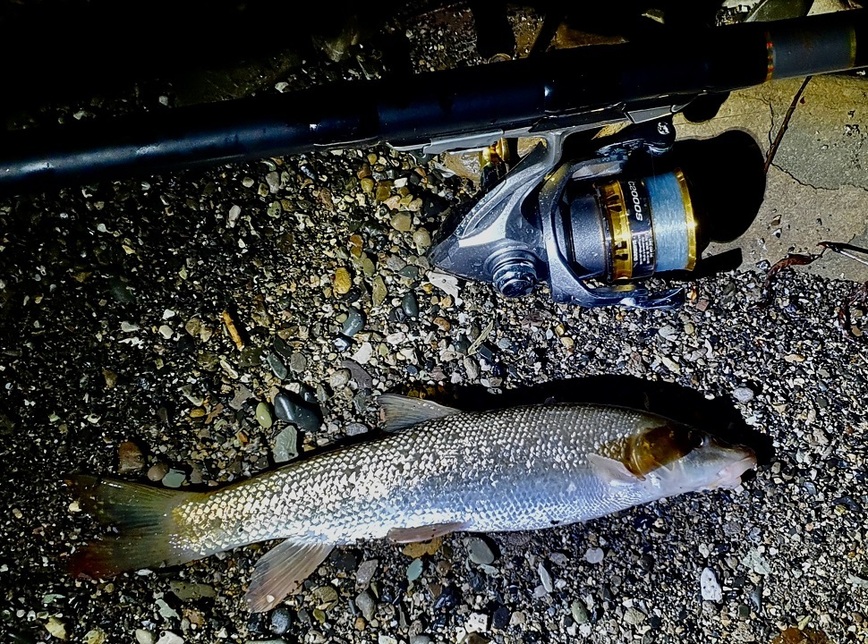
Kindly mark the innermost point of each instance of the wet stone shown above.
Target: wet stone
(130, 458)
(410, 305)
(277, 366)
(342, 282)
(286, 445)
(579, 612)
(298, 363)
(280, 620)
(296, 412)
(186, 591)
(366, 604)
(354, 323)
(545, 578)
(414, 570)
(174, 478)
(709, 586)
(743, 394)
(339, 379)
(157, 471)
(479, 552)
(343, 560)
(366, 572)
(500, 618)
(263, 415)
(342, 343)
(594, 555)
(282, 348)
(402, 222)
(378, 291)
(355, 429)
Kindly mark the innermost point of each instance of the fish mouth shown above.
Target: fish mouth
(730, 476)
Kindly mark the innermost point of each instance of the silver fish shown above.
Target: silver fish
(437, 470)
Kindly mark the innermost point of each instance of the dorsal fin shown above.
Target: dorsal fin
(400, 412)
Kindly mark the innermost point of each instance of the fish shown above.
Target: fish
(434, 470)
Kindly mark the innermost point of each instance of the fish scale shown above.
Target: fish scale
(437, 470)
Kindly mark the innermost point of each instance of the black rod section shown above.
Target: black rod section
(563, 85)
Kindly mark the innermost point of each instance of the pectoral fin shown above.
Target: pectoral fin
(423, 533)
(281, 570)
(400, 412)
(611, 471)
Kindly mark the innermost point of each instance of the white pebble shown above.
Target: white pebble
(594, 555)
(709, 587)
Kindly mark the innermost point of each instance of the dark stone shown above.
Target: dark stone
(342, 343)
(500, 618)
(298, 412)
(343, 560)
(280, 620)
(410, 305)
(354, 323)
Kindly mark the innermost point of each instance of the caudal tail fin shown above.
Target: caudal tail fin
(145, 520)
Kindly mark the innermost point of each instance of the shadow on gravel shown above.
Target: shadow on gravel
(718, 416)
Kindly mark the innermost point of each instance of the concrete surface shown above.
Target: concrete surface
(818, 184)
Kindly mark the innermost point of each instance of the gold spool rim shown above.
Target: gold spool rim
(619, 226)
(689, 220)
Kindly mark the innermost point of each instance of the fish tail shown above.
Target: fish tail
(145, 522)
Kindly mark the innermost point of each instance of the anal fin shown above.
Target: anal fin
(423, 533)
(281, 570)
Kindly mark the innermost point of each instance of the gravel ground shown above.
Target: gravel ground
(117, 359)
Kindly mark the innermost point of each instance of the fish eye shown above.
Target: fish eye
(697, 439)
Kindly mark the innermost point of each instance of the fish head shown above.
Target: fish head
(709, 463)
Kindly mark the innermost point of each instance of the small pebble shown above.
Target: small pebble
(144, 637)
(743, 394)
(342, 343)
(95, 636)
(297, 362)
(364, 353)
(280, 620)
(355, 429)
(174, 478)
(410, 305)
(293, 411)
(366, 604)
(339, 378)
(342, 281)
(378, 291)
(56, 628)
(130, 458)
(366, 571)
(402, 221)
(634, 617)
(285, 445)
(263, 415)
(594, 555)
(186, 591)
(709, 586)
(479, 552)
(157, 471)
(354, 323)
(386, 639)
(421, 639)
(579, 612)
(414, 570)
(422, 240)
(277, 366)
(545, 578)
(500, 618)
(476, 623)
(168, 637)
